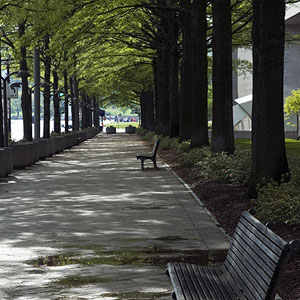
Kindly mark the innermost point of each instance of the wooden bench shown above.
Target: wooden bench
(151, 155)
(252, 269)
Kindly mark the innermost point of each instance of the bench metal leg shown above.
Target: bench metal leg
(154, 162)
(142, 164)
(174, 296)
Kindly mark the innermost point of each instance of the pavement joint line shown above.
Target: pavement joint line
(197, 199)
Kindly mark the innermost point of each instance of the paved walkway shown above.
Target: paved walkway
(88, 224)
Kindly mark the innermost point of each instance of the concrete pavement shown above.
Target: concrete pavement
(88, 224)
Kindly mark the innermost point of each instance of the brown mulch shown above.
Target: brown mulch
(226, 202)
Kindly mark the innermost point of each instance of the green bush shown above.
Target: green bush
(168, 143)
(225, 168)
(193, 156)
(183, 147)
(280, 203)
(145, 134)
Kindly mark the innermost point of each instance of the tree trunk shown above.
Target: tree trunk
(25, 97)
(163, 72)
(174, 76)
(76, 104)
(47, 63)
(96, 113)
(56, 103)
(150, 110)
(185, 115)
(222, 117)
(155, 85)
(89, 115)
(143, 110)
(1, 113)
(66, 91)
(199, 134)
(72, 103)
(84, 120)
(269, 159)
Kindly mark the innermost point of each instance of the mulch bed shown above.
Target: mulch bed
(226, 202)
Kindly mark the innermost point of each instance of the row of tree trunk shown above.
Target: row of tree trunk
(181, 74)
(90, 108)
(178, 107)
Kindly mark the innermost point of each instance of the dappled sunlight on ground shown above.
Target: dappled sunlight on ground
(88, 221)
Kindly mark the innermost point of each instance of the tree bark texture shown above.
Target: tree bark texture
(56, 104)
(96, 112)
(185, 116)
(76, 104)
(174, 74)
(47, 96)
(222, 116)
(72, 103)
(163, 71)
(269, 159)
(198, 74)
(66, 91)
(155, 87)
(90, 111)
(1, 113)
(147, 110)
(84, 112)
(25, 97)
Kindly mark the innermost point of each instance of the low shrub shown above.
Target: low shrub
(145, 134)
(225, 168)
(280, 203)
(193, 156)
(167, 143)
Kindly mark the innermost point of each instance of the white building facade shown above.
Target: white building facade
(242, 83)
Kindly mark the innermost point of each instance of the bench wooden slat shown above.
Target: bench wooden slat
(233, 285)
(267, 242)
(251, 271)
(258, 247)
(202, 290)
(194, 288)
(174, 276)
(240, 278)
(217, 283)
(262, 260)
(202, 277)
(254, 280)
(246, 216)
(256, 269)
(224, 287)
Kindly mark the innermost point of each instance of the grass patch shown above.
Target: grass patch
(149, 256)
(76, 280)
(292, 146)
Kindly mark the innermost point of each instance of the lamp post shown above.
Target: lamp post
(21, 73)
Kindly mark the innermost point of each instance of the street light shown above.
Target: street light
(22, 74)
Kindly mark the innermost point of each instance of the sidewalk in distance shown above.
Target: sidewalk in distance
(88, 224)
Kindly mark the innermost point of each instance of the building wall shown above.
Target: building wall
(243, 84)
(245, 81)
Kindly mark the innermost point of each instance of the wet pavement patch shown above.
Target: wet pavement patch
(172, 238)
(136, 295)
(75, 281)
(151, 256)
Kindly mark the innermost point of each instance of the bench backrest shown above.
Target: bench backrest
(256, 258)
(155, 147)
